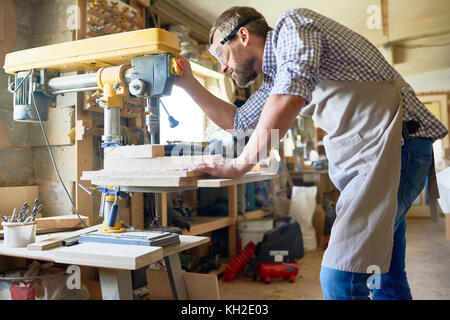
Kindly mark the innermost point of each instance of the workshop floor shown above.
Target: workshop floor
(427, 265)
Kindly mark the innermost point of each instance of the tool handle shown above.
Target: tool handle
(113, 215)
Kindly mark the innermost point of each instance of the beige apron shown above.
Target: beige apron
(363, 145)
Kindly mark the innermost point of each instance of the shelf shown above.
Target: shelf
(255, 214)
(200, 225)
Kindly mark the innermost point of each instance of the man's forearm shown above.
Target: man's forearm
(219, 111)
(278, 113)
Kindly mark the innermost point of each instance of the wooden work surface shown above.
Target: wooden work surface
(165, 182)
(101, 255)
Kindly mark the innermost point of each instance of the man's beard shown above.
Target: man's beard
(244, 75)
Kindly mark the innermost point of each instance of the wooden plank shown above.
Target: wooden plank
(200, 225)
(61, 222)
(4, 140)
(145, 182)
(27, 254)
(14, 197)
(54, 241)
(132, 174)
(104, 255)
(163, 207)
(247, 178)
(137, 210)
(83, 201)
(146, 151)
(41, 231)
(256, 214)
(116, 160)
(80, 32)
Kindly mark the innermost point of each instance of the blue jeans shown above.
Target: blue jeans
(393, 285)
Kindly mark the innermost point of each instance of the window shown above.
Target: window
(191, 127)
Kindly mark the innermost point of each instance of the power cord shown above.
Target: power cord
(53, 160)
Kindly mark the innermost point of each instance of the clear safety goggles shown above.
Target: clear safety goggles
(216, 52)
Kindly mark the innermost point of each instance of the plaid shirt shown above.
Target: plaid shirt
(305, 47)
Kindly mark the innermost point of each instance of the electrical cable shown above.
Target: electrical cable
(53, 160)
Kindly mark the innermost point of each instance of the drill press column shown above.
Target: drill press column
(152, 120)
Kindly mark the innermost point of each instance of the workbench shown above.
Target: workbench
(116, 262)
(201, 224)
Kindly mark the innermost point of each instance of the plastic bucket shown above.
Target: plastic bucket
(253, 230)
(18, 235)
(14, 285)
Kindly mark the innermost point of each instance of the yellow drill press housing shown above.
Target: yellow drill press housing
(112, 62)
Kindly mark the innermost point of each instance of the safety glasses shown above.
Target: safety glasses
(216, 52)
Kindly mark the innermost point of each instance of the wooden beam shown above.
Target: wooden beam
(61, 222)
(164, 209)
(232, 214)
(385, 17)
(84, 202)
(137, 210)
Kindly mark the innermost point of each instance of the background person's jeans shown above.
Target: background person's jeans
(417, 155)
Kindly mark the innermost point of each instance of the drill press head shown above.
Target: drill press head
(153, 77)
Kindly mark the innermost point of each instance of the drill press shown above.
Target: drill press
(142, 63)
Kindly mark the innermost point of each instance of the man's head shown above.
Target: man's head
(237, 41)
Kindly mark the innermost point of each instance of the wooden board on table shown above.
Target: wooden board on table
(45, 231)
(15, 197)
(54, 241)
(119, 179)
(247, 178)
(125, 158)
(104, 255)
(146, 151)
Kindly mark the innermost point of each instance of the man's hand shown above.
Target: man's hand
(222, 167)
(187, 77)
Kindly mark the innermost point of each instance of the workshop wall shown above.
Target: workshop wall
(17, 159)
(27, 161)
(61, 119)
